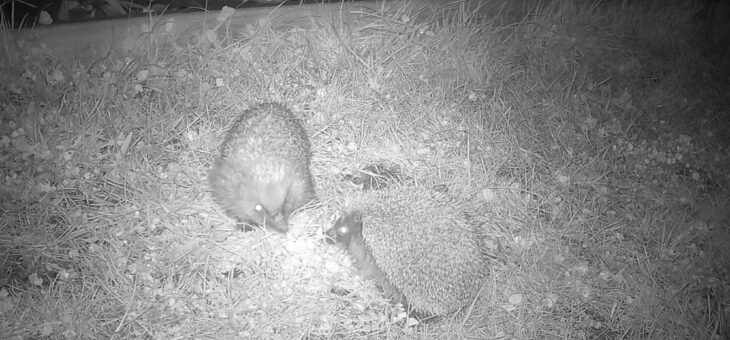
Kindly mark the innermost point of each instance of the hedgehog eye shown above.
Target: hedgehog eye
(258, 208)
(343, 230)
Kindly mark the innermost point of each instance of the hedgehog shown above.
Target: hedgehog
(423, 248)
(262, 173)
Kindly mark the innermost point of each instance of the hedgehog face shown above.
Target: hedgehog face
(256, 214)
(263, 206)
(346, 227)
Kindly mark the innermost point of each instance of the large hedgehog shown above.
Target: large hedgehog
(262, 174)
(420, 246)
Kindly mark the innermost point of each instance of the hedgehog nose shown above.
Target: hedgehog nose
(330, 236)
(277, 222)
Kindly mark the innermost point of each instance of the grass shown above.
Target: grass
(592, 134)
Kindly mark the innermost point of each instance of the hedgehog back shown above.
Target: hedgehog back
(269, 130)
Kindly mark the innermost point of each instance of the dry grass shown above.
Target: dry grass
(596, 153)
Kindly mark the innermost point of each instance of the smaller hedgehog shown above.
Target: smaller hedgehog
(419, 246)
(262, 174)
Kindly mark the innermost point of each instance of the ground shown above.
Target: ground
(593, 137)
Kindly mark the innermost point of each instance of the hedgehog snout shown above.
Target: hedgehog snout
(276, 222)
(329, 238)
(331, 235)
